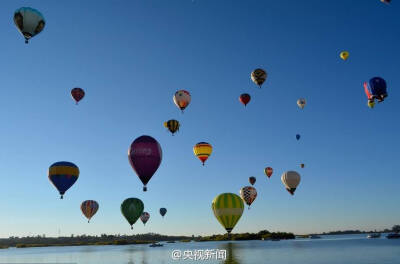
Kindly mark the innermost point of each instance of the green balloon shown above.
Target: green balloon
(132, 209)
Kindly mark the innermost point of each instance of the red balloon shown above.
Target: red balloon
(77, 94)
(244, 98)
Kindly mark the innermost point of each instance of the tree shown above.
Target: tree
(396, 228)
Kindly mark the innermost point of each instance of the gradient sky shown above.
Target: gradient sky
(131, 57)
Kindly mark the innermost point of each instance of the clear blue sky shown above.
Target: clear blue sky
(131, 57)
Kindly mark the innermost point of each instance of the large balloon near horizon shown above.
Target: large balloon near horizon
(163, 211)
(145, 217)
(182, 99)
(258, 76)
(77, 94)
(29, 22)
(202, 150)
(63, 175)
(227, 208)
(132, 209)
(145, 157)
(89, 208)
(248, 194)
(291, 179)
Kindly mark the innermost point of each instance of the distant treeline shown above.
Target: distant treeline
(395, 228)
(264, 234)
(37, 241)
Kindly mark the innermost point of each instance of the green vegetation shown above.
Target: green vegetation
(264, 234)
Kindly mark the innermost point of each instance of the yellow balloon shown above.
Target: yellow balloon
(344, 55)
(371, 104)
(202, 150)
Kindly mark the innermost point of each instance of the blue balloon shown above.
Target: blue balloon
(297, 136)
(377, 86)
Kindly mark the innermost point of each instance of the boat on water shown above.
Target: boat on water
(374, 235)
(314, 237)
(393, 236)
(156, 245)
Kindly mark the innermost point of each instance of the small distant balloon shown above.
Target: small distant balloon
(163, 211)
(145, 217)
(89, 208)
(244, 98)
(248, 194)
(77, 94)
(344, 55)
(182, 99)
(252, 180)
(297, 136)
(268, 171)
(172, 125)
(302, 165)
(258, 76)
(301, 103)
(202, 150)
(386, 1)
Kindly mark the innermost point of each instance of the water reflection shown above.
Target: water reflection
(231, 257)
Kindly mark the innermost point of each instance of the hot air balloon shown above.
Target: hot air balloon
(145, 217)
(376, 89)
(145, 157)
(163, 211)
(227, 208)
(132, 209)
(244, 98)
(202, 150)
(297, 136)
(248, 194)
(89, 208)
(172, 125)
(302, 165)
(268, 171)
(29, 22)
(63, 175)
(371, 104)
(182, 99)
(77, 94)
(258, 76)
(344, 55)
(301, 103)
(291, 180)
(252, 180)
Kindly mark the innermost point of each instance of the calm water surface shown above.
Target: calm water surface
(354, 249)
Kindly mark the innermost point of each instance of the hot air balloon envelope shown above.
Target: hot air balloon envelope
(145, 157)
(63, 175)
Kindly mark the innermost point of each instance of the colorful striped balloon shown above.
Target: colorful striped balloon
(202, 150)
(63, 175)
(89, 208)
(227, 208)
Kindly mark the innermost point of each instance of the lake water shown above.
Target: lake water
(351, 249)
